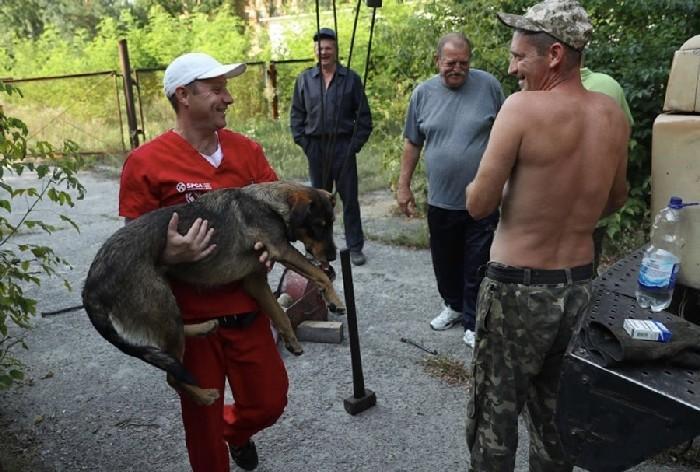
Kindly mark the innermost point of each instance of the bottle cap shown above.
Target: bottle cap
(676, 203)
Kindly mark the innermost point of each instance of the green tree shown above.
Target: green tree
(29, 18)
(23, 264)
(185, 7)
(22, 18)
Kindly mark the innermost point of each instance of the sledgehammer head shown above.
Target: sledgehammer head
(355, 405)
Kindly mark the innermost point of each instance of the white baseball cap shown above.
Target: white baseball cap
(194, 66)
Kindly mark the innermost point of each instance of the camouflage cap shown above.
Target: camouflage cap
(566, 20)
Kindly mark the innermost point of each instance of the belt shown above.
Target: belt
(526, 276)
(238, 321)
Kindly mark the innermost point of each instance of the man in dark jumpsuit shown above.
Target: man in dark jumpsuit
(331, 121)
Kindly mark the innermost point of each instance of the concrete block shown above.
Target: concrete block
(320, 331)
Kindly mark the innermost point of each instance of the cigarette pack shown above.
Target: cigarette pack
(647, 330)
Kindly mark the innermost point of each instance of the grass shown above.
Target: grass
(96, 132)
(414, 238)
(286, 158)
(448, 369)
(290, 162)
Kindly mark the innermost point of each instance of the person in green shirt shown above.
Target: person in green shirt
(603, 83)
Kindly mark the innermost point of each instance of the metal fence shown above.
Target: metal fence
(85, 108)
(91, 109)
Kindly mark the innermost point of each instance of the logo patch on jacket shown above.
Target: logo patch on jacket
(192, 190)
(182, 187)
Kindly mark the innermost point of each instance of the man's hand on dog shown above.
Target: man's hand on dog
(191, 247)
(264, 257)
(195, 244)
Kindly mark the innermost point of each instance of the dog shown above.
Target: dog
(126, 293)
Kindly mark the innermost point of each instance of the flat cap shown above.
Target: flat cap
(325, 33)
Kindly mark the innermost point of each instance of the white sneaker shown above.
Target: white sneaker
(469, 338)
(446, 319)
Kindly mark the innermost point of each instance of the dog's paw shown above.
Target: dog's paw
(201, 329)
(294, 347)
(206, 396)
(333, 301)
(203, 396)
(338, 309)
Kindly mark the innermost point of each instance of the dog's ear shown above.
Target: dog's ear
(299, 209)
(328, 195)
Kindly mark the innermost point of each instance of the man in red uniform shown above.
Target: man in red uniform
(197, 156)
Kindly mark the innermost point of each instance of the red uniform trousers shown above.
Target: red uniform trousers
(249, 359)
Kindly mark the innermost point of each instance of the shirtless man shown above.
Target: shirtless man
(556, 162)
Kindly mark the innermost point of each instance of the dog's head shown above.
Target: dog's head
(311, 221)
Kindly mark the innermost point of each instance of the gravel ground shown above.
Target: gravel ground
(86, 406)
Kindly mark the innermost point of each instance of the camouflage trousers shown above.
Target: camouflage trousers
(522, 332)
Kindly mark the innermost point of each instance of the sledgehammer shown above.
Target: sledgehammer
(362, 398)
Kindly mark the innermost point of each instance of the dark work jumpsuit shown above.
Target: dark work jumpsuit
(325, 133)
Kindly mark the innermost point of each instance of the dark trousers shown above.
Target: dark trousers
(342, 170)
(459, 245)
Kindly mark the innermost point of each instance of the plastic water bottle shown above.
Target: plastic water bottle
(661, 261)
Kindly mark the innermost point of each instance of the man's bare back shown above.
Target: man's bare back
(563, 154)
(568, 167)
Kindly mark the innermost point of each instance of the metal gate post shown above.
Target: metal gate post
(128, 94)
(272, 75)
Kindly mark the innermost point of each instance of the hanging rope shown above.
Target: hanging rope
(328, 145)
(364, 84)
(328, 137)
(369, 46)
(325, 166)
(354, 31)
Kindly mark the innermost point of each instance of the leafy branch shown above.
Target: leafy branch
(24, 264)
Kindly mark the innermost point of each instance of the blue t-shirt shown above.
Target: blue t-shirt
(453, 127)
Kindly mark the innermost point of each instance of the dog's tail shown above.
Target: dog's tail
(157, 357)
(151, 354)
(161, 359)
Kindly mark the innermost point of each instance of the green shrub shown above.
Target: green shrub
(23, 264)
(634, 41)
